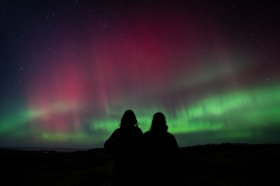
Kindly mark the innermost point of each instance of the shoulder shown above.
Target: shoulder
(114, 134)
(170, 135)
(138, 130)
(117, 131)
(172, 138)
(147, 133)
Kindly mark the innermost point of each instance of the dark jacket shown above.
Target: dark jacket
(124, 145)
(161, 156)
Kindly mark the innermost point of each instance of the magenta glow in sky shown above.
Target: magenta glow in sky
(113, 65)
(71, 68)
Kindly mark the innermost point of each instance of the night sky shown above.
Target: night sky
(69, 69)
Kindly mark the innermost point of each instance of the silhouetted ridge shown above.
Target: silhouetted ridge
(222, 165)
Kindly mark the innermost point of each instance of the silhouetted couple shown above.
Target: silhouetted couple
(143, 159)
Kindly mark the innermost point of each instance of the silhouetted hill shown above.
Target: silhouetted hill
(55, 168)
(219, 165)
(231, 164)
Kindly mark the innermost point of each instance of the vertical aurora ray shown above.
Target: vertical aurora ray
(80, 69)
(240, 115)
(237, 115)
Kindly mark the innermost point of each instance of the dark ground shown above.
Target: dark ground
(209, 165)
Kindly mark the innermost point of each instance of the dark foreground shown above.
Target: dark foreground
(219, 165)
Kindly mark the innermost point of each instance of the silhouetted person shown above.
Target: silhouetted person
(124, 145)
(161, 153)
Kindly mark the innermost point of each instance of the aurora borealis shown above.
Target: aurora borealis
(69, 69)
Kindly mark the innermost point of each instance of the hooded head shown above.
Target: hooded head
(159, 123)
(128, 119)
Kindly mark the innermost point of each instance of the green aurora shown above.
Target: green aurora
(235, 116)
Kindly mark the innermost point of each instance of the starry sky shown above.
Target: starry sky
(70, 68)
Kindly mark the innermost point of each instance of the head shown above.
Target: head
(159, 123)
(128, 119)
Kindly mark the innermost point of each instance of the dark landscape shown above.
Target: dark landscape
(209, 70)
(219, 165)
